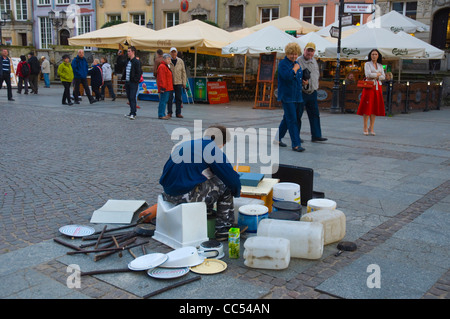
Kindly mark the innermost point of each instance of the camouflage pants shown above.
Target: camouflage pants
(211, 192)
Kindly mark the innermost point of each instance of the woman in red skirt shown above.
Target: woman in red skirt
(372, 103)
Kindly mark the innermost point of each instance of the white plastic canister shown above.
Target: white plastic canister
(333, 222)
(286, 192)
(306, 239)
(320, 203)
(267, 252)
(250, 215)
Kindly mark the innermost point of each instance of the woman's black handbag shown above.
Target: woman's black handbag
(306, 77)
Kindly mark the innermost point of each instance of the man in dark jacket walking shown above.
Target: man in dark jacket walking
(132, 75)
(80, 71)
(6, 73)
(35, 69)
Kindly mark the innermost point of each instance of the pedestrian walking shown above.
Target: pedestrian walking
(23, 73)
(107, 79)
(132, 75)
(290, 94)
(372, 103)
(65, 73)
(96, 74)
(45, 69)
(164, 82)
(80, 71)
(35, 69)
(6, 73)
(179, 83)
(309, 92)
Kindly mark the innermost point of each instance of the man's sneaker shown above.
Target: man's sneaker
(132, 117)
(222, 233)
(127, 115)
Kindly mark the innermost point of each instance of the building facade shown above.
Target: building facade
(17, 27)
(139, 12)
(72, 18)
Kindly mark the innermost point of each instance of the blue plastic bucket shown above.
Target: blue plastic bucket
(250, 215)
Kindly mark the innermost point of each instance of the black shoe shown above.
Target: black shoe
(92, 101)
(76, 102)
(298, 149)
(113, 98)
(70, 103)
(18, 92)
(11, 99)
(281, 144)
(318, 139)
(64, 103)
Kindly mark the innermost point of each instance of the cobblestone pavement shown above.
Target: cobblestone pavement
(59, 164)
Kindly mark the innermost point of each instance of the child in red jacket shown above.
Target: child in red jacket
(23, 72)
(164, 81)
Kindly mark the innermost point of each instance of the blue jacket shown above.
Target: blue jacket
(79, 67)
(289, 83)
(189, 163)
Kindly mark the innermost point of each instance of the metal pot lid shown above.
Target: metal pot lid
(76, 230)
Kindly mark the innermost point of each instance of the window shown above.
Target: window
(138, 18)
(172, 18)
(269, 14)
(5, 6)
(84, 26)
(44, 2)
(21, 10)
(114, 17)
(83, 1)
(314, 15)
(45, 32)
(408, 9)
(62, 2)
(201, 17)
(236, 16)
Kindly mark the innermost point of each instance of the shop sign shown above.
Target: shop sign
(348, 51)
(217, 92)
(322, 95)
(358, 8)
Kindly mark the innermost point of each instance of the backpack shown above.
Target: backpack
(25, 69)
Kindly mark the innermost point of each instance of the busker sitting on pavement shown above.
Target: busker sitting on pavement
(198, 171)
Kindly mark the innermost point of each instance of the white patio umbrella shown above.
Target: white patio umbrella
(320, 42)
(390, 45)
(267, 40)
(395, 22)
(431, 52)
(325, 31)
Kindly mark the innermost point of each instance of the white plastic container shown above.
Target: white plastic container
(181, 225)
(267, 252)
(306, 239)
(333, 222)
(250, 215)
(320, 203)
(286, 192)
(241, 201)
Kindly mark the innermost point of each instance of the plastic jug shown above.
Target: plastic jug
(306, 238)
(267, 252)
(320, 203)
(333, 222)
(241, 201)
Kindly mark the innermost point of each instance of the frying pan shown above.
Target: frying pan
(345, 246)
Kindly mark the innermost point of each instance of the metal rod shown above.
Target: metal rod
(178, 284)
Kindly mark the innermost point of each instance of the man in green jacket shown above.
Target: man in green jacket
(65, 73)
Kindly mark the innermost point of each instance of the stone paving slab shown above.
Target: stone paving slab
(63, 162)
